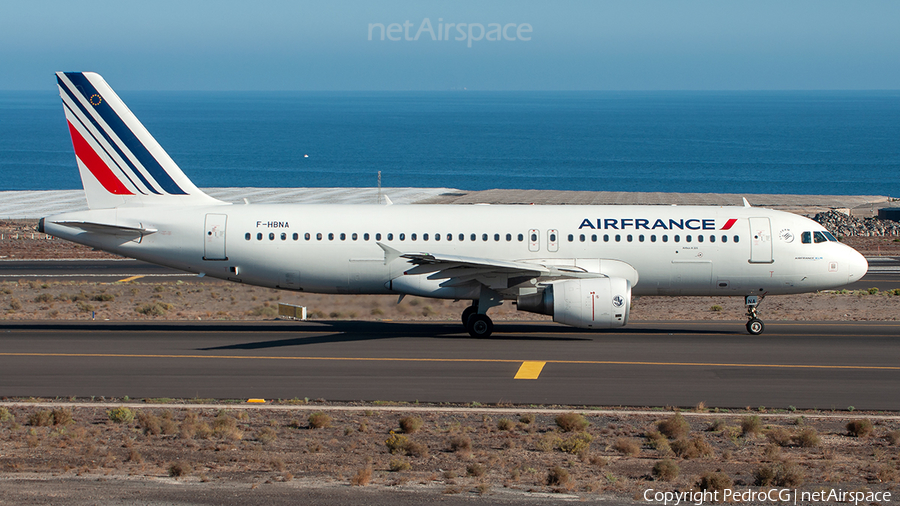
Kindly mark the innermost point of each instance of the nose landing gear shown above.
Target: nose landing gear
(755, 326)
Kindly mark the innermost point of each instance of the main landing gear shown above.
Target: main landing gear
(755, 326)
(477, 325)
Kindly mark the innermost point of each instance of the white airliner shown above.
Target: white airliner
(579, 264)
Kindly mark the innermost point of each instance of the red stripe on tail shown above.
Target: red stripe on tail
(728, 224)
(96, 165)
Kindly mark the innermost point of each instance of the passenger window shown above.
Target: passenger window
(425, 237)
(330, 236)
(605, 237)
(724, 238)
(618, 237)
(712, 238)
(306, 236)
(737, 238)
(571, 238)
(533, 237)
(259, 236)
(677, 238)
(437, 237)
(496, 237)
(450, 237)
(688, 238)
(247, 236)
(553, 237)
(593, 237)
(366, 236)
(521, 237)
(819, 237)
(378, 236)
(412, 237)
(295, 236)
(473, 237)
(390, 236)
(641, 238)
(402, 237)
(830, 237)
(665, 238)
(283, 236)
(354, 236)
(508, 237)
(699, 238)
(319, 236)
(628, 238)
(343, 236)
(484, 237)
(271, 236)
(653, 238)
(581, 237)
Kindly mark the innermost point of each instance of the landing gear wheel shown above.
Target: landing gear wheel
(755, 326)
(467, 312)
(479, 325)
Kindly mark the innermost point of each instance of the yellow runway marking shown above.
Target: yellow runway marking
(132, 278)
(463, 360)
(530, 370)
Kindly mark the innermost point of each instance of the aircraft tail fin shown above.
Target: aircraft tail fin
(120, 163)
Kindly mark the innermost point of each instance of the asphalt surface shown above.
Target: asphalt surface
(884, 272)
(805, 365)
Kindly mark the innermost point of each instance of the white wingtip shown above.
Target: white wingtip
(746, 204)
(387, 201)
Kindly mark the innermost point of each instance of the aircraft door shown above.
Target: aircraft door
(214, 236)
(534, 240)
(552, 240)
(760, 241)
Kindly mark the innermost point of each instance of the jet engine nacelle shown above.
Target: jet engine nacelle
(597, 303)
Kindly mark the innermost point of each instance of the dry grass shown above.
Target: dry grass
(571, 422)
(674, 427)
(860, 428)
(665, 470)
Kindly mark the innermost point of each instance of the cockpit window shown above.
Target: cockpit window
(819, 237)
(830, 237)
(806, 237)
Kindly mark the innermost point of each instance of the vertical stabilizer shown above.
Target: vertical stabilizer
(120, 163)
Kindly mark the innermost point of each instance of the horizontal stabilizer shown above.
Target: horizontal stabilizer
(105, 228)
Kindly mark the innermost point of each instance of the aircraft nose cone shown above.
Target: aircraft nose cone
(859, 266)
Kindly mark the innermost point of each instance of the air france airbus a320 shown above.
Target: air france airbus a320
(579, 264)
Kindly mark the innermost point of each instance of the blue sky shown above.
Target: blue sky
(589, 45)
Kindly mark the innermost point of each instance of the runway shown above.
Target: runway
(884, 272)
(806, 365)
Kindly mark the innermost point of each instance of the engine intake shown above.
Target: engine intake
(597, 303)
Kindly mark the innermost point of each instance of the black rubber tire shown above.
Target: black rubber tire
(480, 325)
(467, 312)
(755, 327)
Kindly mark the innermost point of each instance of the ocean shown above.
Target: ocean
(833, 143)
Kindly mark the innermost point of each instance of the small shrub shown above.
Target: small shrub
(154, 309)
(506, 424)
(780, 436)
(14, 304)
(674, 427)
(893, 437)
(715, 481)
(658, 441)
(179, 469)
(807, 438)
(764, 476)
(558, 477)
(715, 308)
(410, 424)
(264, 311)
(460, 444)
(44, 297)
(527, 418)
(665, 470)
(42, 418)
(397, 465)
(572, 422)
(475, 469)
(789, 474)
(416, 449)
(717, 425)
(120, 415)
(397, 443)
(266, 435)
(547, 442)
(319, 420)
(627, 446)
(873, 290)
(84, 307)
(751, 425)
(576, 444)
(61, 417)
(5, 415)
(149, 423)
(362, 477)
(860, 428)
(103, 297)
(693, 448)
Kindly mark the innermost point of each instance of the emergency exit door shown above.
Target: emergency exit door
(214, 232)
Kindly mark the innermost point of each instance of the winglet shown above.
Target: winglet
(388, 201)
(746, 204)
(390, 254)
